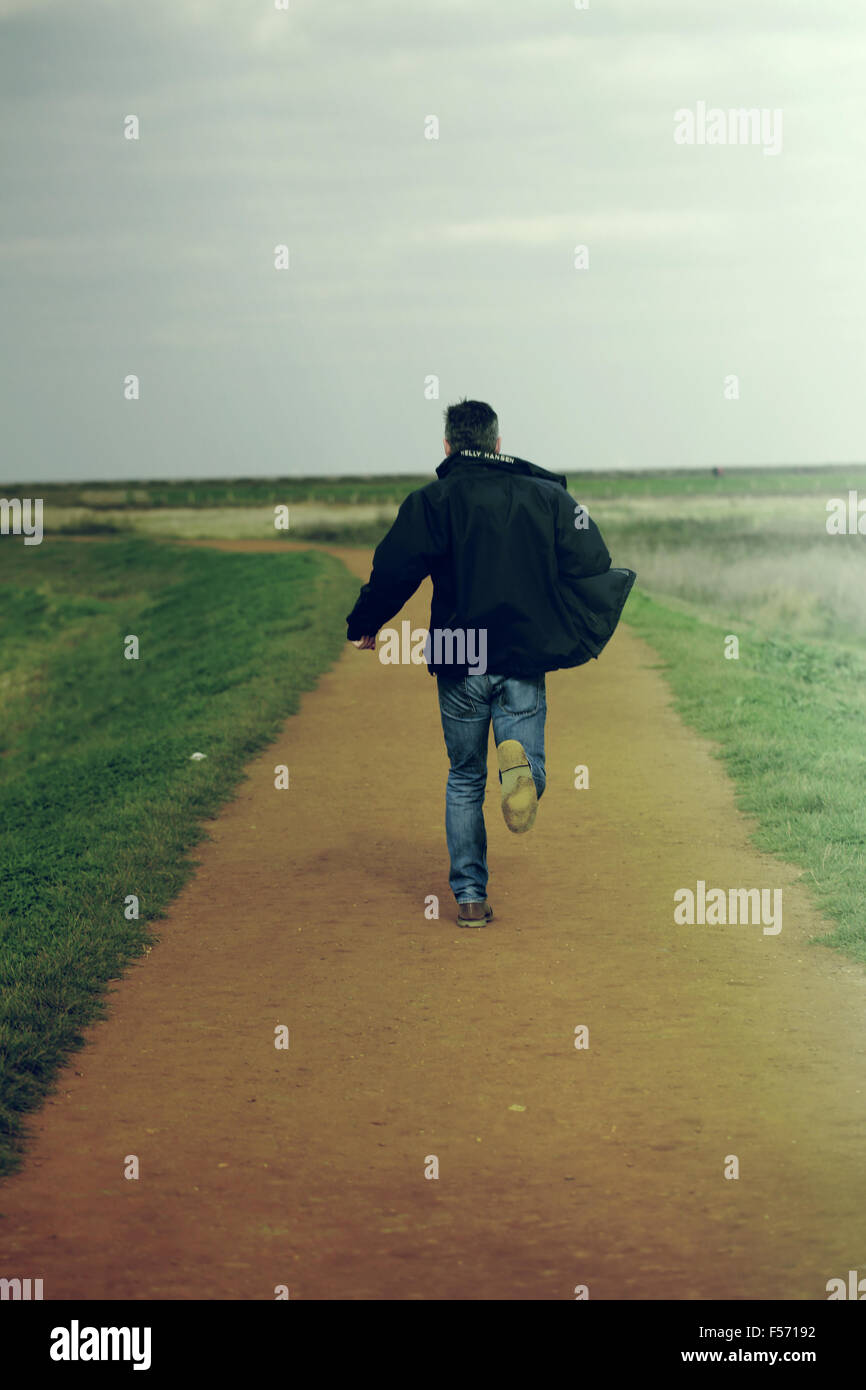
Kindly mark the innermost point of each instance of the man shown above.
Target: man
(522, 585)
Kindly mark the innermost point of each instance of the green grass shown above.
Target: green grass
(98, 796)
(830, 479)
(217, 492)
(788, 719)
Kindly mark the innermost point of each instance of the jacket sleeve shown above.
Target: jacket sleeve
(595, 592)
(580, 550)
(401, 560)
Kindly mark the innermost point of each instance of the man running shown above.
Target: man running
(522, 585)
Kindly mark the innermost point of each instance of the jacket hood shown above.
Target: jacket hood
(506, 463)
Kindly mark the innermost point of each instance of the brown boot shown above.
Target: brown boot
(474, 914)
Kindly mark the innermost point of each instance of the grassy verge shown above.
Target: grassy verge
(787, 718)
(98, 796)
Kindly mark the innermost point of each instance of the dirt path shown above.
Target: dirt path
(409, 1037)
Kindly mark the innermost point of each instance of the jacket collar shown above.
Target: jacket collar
(505, 463)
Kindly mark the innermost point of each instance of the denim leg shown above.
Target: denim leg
(519, 708)
(466, 725)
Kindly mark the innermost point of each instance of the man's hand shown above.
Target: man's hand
(364, 644)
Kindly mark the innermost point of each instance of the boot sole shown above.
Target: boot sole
(519, 796)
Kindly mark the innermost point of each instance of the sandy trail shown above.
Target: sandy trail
(409, 1037)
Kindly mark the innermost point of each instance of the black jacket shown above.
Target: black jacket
(509, 552)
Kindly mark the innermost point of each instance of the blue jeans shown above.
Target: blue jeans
(517, 707)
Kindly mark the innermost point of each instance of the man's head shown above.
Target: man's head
(471, 425)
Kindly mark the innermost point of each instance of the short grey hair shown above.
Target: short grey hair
(471, 425)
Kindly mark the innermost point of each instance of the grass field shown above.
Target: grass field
(99, 798)
(787, 718)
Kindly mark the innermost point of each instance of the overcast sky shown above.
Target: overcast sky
(412, 258)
